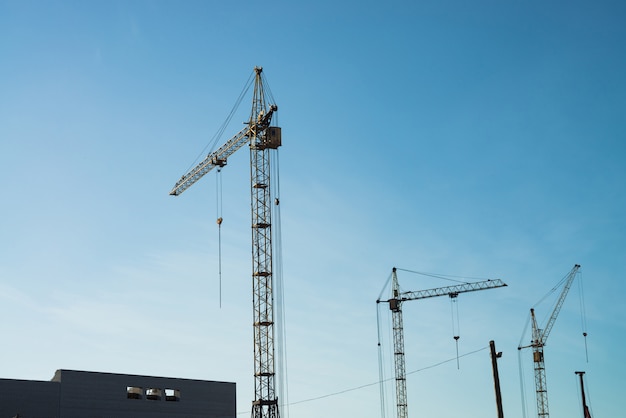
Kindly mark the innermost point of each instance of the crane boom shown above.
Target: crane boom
(452, 291)
(539, 337)
(261, 139)
(219, 157)
(395, 305)
(559, 303)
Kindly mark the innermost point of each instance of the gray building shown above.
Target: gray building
(79, 394)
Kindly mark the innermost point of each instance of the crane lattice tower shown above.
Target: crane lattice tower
(261, 139)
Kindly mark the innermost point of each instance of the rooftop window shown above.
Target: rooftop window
(133, 392)
(172, 395)
(153, 394)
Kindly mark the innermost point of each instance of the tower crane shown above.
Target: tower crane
(395, 305)
(261, 139)
(539, 337)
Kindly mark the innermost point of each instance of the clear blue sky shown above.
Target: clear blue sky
(482, 139)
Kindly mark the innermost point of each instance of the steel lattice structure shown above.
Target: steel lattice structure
(539, 338)
(395, 304)
(261, 138)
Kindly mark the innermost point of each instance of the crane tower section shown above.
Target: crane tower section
(261, 139)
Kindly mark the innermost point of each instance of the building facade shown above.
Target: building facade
(80, 394)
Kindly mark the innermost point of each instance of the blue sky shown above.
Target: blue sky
(480, 140)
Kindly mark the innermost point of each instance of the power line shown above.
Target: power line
(341, 392)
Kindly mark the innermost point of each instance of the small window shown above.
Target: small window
(133, 392)
(172, 395)
(153, 394)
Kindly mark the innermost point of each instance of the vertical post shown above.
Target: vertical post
(586, 412)
(496, 377)
(395, 305)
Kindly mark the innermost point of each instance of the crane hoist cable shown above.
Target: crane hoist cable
(454, 305)
(210, 146)
(583, 313)
(218, 203)
(447, 277)
(522, 382)
(283, 387)
(382, 360)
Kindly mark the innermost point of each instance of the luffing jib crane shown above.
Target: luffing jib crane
(539, 338)
(261, 139)
(395, 305)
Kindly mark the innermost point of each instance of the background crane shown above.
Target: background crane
(395, 305)
(261, 138)
(539, 337)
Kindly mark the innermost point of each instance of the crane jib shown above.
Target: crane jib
(453, 291)
(219, 157)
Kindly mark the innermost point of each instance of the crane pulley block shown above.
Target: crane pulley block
(219, 162)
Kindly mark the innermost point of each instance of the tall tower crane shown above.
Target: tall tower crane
(539, 338)
(261, 139)
(395, 305)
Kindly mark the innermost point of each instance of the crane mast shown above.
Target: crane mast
(395, 305)
(261, 138)
(539, 337)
